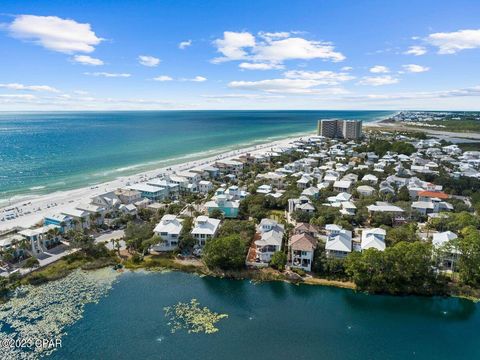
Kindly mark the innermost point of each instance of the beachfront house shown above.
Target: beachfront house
(204, 228)
(41, 239)
(302, 247)
(80, 218)
(127, 196)
(168, 229)
(11, 243)
(150, 192)
(62, 221)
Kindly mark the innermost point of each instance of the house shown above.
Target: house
(370, 178)
(62, 221)
(332, 229)
(128, 209)
(342, 185)
(204, 228)
(96, 213)
(229, 208)
(150, 192)
(306, 228)
(384, 207)
(41, 239)
(205, 186)
(302, 247)
(365, 190)
(428, 195)
(348, 208)
(264, 189)
(168, 229)
(80, 218)
(304, 182)
(373, 238)
(443, 240)
(271, 237)
(127, 196)
(302, 204)
(11, 242)
(432, 206)
(339, 244)
(311, 192)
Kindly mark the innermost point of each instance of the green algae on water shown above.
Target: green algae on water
(193, 318)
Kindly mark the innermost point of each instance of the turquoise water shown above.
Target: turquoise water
(272, 320)
(44, 152)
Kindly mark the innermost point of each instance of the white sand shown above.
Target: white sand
(56, 202)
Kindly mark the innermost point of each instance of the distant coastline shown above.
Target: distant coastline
(45, 152)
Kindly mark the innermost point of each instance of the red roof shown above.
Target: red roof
(433, 194)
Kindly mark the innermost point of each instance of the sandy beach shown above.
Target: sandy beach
(31, 211)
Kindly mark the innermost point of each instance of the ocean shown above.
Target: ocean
(43, 152)
(270, 320)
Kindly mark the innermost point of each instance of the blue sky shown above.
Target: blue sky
(101, 55)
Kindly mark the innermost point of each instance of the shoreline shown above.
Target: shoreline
(41, 205)
(156, 263)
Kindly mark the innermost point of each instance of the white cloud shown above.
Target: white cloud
(185, 44)
(17, 96)
(321, 77)
(274, 35)
(347, 68)
(260, 66)
(285, 86)
(15, 86)
(196, 79)
(413, 68)
(149, 61)
(379, 69)
(453, 42)
(416, 50)
(272, 49)
(233, 45)
(296, 48)
(109, 75)
(87, 60)
(163, 78)
(54, 33)
(244, 96)
(378, 80)
(465, 92)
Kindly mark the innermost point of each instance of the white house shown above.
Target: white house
(204, 229)
(342, 185)
(204, 186)
(168, 229)
(373, 238)
(271, 237)
(443, 240)
(339, 244)
(365, 190)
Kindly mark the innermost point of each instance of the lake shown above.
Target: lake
(271, 320)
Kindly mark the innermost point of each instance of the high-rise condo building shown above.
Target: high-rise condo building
(344, 129)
